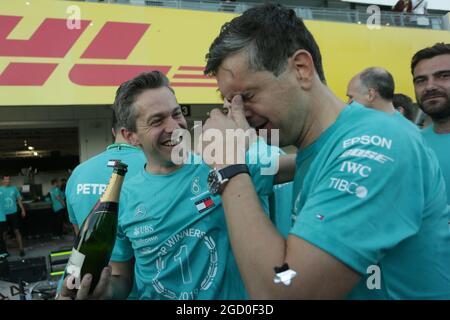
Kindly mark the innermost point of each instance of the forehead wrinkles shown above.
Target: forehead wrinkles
(228, 82)
(156, 102)
(234, 78)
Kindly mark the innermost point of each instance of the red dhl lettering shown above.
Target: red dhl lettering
(52, 39)
(115, 40)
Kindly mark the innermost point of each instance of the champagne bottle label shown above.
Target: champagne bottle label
(74, 266)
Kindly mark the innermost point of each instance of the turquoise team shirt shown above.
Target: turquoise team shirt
(440, 143)
(9, 196)
(177, 232)
(280, 207)
(56, 204)
(2, 211)
(89, 179)
(370, 193)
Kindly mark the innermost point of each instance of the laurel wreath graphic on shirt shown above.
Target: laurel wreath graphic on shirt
(206, 282)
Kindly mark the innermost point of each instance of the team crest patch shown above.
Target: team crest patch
(204, 204)
(140, 211)
(195, 188)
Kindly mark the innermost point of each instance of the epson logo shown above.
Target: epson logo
(369, 140)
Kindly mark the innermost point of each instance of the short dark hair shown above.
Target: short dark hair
(438, 49)
(270, 33)
(53, 181)
(411, 109)
(126, 94)
(379, 79)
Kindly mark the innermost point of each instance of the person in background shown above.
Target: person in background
(430, 68)
(3, 251)
(404, 6)
(66, 222)
(58, 206)
(63, 186)
(405, 106)
(373, 88)
(11, 199)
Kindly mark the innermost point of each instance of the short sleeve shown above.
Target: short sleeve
(70, 194)
(72, 217)
(360, 205)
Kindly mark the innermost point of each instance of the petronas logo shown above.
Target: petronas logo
(195, 189)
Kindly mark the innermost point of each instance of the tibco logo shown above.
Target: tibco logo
(348, 187)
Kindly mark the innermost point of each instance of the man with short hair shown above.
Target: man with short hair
(172, 235)
(373, 88)
(430, 68)
(354, 221)
(10, 200)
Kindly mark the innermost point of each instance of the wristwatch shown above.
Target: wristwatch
(217, 179)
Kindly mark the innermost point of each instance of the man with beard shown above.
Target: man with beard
(431, 76)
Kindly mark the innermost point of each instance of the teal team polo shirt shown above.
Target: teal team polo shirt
(89, 179)
(370, 193)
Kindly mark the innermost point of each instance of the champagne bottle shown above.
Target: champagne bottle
(93, 247)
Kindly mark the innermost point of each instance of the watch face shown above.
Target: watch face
(213, 182)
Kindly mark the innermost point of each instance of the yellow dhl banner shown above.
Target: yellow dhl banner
(72, 53)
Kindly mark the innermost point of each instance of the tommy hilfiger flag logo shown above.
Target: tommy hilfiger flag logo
(204, 204)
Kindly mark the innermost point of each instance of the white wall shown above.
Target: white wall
(94, 135)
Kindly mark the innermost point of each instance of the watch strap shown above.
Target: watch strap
(233, 170)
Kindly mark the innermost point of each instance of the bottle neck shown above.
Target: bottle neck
(112, 191)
